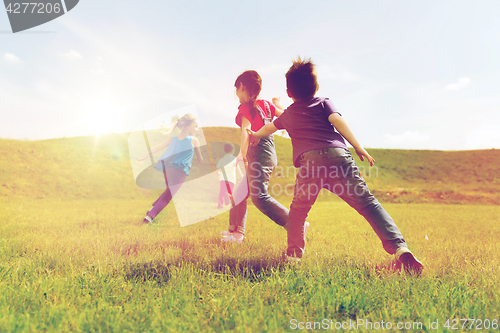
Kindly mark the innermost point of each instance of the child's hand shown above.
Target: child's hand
(243, 159)
(252, 139)
(362, 153)
(277, 104)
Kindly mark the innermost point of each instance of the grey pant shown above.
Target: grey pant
(335, 170)
(261, 163)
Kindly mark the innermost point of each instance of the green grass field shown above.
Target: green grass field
(90, 265)
(75, 256)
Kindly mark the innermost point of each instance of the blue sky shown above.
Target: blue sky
(410, 75)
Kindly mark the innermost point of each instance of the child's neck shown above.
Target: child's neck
(300, 99)
(248, 100)
(182, 135)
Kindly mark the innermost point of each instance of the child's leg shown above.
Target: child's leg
(231, 189)
(222, 193)
(306, 191)
(262, 161)
(228, 187)
(353, 189)
(238, 213)
(160, 203)
(175, 179)
(259, 175)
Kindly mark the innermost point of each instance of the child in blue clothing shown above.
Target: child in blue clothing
(317, 131)
(176, 161)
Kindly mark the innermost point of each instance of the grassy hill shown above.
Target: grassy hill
(99, 167)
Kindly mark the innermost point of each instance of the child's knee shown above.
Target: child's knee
(306, 192)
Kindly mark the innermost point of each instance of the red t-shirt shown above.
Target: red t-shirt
(256, 122)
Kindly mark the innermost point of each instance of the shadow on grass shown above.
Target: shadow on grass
(201, 254)
(253, 270)
(149, 271)
(240, 261)
(379, 269)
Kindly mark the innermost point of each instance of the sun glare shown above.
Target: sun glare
(102, 116)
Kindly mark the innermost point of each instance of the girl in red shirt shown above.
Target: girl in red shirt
(260, 160)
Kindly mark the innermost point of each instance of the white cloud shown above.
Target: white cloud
(12, 58)
(407, 137)
(72, 54)
(462, 83)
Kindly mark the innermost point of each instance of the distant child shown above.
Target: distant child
(260, 160)
(228, 177)
(324, 161)
(176, 161)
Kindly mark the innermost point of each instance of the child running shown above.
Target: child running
(324, 161)
(259, 160)
(176, 161)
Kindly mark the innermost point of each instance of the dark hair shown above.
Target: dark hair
(228, 148)
(252, 82)
(301, 80)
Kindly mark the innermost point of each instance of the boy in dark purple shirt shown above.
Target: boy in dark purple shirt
(317, 131)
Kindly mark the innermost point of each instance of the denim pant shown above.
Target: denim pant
(335, 170)
(261, 163)
(175, 179)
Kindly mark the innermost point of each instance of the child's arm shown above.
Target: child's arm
(157, 148)
(279, 107)
(196, 145)
(341, 125)
(245, 127)
(266, 130)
